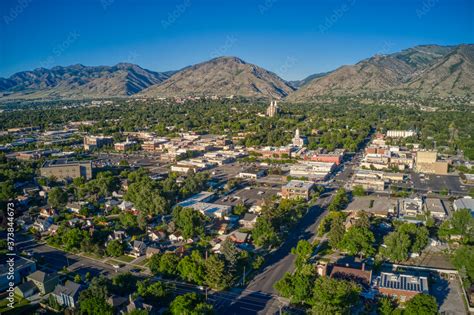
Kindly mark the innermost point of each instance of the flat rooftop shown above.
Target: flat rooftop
(62, 162)
(376, 205)
(303, 184)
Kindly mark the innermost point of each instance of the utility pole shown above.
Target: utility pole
(243, 280)
(206, 293)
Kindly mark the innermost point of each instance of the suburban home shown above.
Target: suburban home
(43, 224)
(155, 235)
(150, 251)
(74, 207)
(358, 275)
(119, 235)
(26, 289)
(239, 237)
(116, 301)
(47, 212)
(402, 286)
(125, 206)
(248, 221)
(53, 229)
(176, 237)
(138, 248)
(45, 282)
(67, 294)
(110, 204)
(138, 304)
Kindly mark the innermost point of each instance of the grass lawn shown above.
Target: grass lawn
(144, 262)
(124, 258)
(91, 255)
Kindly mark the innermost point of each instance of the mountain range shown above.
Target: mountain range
(427, 70)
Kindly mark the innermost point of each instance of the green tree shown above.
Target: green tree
(124, 283)
(386, 306)
(115, 248)
(358, 191)
(464, 262)
(217, 277)
(336, 233)
(169, 264)
(190, 304)
(239, 209)
(462, 223)
(298, 287)
(93, 300)
(363, 220)
(77, 278)
(303, 252)
(230, 253)
(264, 234)
(331, 296)
(396, 246)
(421, 304)
(358, 241)
(191, 268)
(7, 191)
(57, 197)
(189, 222)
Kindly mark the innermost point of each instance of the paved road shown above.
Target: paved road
(53, 260)
(260, 297)
(260, 290)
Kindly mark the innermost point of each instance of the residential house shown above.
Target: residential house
(239, 237)
(138, 248)
(125, 206)
(119, 235)
(150, 251)
(358, 275)
(67, 295)
(45, 282)
(249, 220)
(176, 237)
(156, 235)
(26, 289)
(43, 224)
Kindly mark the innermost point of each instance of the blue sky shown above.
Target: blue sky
(292, 38)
